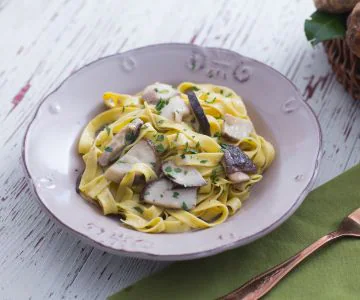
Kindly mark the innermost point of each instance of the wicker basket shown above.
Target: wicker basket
(345, 65)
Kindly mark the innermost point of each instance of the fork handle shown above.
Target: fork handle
(263, 283)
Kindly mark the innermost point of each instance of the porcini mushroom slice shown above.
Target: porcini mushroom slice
(235, 128)
(175, 110)
(124, 137)
(199, 113)
(161, 192)
(239, 177)
(141, 152)
(186, 176)
(157, 91)
(234, 160)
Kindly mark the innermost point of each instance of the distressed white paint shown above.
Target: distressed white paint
(44, 41)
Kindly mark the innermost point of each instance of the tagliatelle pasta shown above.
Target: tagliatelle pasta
(120, 178)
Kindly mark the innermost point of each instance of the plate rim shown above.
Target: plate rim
(193, 255)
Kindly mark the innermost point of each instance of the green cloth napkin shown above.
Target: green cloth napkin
(332, 273)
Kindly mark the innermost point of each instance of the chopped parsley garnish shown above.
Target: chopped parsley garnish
(130, 137)
(221, 92)
(176, 195)
(108, 149)
(210, 101)
(161, 104)
(160, 138)
(138, 209)
(168, 169)
(177, 136)
(192, 151)
(185, 172)
(184, 206)
(123, 109)
(213, 176)
(163, 91)
(229, 95)
(177, 170)
(203, 161)
(161, 121)
(162, 195)
(223, 146)
(194, 88)
(108, 130)
(160, 148)
(153, 164)
(144, 126)
(182, 156)
(156, 90)
(147, 193)
(198, 145)
(217, 134)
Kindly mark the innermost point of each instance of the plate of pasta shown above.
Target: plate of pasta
(172, 151)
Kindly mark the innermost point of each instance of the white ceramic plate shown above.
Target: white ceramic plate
(274, 104)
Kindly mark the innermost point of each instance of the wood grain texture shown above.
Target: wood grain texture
(44, 41)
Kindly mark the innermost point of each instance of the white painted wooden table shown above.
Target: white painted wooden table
(44, 41)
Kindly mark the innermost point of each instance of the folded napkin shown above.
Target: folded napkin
(332, 273)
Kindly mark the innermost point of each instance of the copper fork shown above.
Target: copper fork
(263, 283)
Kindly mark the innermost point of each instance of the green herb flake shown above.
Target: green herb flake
(217, 134)
(203, 161)
(130, 137)
(162, 195)
(161, 104)
(229, 95)
(145, 126)
(168, 169)
(185, 172)
(175, 195)
(163, 91)
(161, 121)
(323, 26)
(160, 148)
(184, 206)
(138, 209)
(153, 164)
(213, 176)
(160, 138)
(192, 151)
(156, 90)
(210, 101)
(194, 88)
(108, 149)
(221, 92)
(198, 144)
(177, 170)
(182, 156)
(108, 130)
(177, 136)
(146, 193)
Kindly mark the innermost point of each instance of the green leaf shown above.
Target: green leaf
(176, 194)
(108, 149)
(322, 26)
